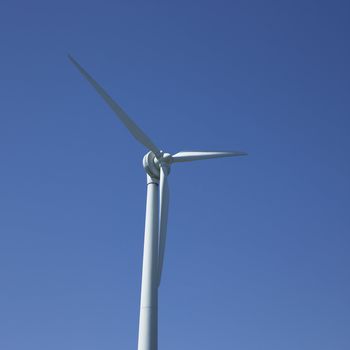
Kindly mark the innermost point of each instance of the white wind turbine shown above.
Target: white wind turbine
(157, 166)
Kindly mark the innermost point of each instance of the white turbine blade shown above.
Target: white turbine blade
(163, 217)
(125, 119)
(188, 156)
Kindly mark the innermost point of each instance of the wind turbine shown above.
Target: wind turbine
(157, 166)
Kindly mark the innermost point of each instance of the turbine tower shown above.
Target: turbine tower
(157, 166)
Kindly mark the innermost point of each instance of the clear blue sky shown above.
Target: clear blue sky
(258, 247)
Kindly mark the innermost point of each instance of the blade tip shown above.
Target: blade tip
(71, 59)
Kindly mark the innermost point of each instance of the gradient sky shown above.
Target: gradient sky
(258, 247)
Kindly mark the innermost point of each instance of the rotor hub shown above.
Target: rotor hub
(152, 164)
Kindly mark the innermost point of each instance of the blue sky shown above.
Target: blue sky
(258, 247)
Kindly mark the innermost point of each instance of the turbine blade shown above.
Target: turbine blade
(163, 216)
(188, 156)
(121, 114)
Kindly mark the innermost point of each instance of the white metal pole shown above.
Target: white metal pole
(148, 323)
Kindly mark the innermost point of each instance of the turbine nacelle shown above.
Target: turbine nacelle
(152, 164)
